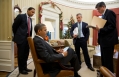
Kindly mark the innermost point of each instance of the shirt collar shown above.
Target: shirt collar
(27, 15)
(43, 39)
(80, 22)
(104, 12)
(39, 36)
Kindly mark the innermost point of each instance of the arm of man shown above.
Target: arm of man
(16, 23)
(110, 24)
(87, 33)
(44, 54)
(71, 30)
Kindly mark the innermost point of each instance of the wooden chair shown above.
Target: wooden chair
(107, 73)
(63, 73)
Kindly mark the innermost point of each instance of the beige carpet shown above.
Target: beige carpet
(84, 71)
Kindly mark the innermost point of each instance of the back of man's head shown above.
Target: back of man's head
(30, 8)
(38, 27)
(100, 4)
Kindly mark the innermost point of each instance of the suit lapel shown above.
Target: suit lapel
(105, 14)
(46, 44)
(25, 17)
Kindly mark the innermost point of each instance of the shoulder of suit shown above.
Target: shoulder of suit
(74, 24)
(21, 14)
(84, 23)
(36, 39)
(110, 11)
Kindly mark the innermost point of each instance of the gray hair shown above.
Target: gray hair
(79, 14)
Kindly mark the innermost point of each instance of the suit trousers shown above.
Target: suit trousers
(107, 57)
(23, 52)
(70, 58)
(73, 59)
(82, 43)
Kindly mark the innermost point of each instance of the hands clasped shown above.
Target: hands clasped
(62, 52)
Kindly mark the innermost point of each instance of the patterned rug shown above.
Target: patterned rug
(15, 72)
(84, 71)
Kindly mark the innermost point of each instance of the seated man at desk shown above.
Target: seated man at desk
(49, 55)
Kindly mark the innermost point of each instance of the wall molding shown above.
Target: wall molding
(6, 56)
(85, 5)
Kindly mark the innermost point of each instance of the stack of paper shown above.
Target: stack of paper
(66, 48)
(75, 32)
(97, 21)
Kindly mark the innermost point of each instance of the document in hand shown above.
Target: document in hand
(65, 49)
(97, 21)
(75, 32)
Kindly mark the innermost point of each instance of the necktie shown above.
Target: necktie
(79, 30)
(28, 26)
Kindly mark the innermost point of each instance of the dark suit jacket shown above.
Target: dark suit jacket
(107, 35)
(84, 30)
(20, 28)
(47, 53)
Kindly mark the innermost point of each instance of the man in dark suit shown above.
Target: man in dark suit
(22, 28)
(107, 36)
(80, 39)
(49, 55)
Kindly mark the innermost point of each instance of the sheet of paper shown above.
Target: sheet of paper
(66, 48)
(75, 32)
(98, 21)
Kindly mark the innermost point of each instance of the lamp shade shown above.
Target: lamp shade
(49, 26)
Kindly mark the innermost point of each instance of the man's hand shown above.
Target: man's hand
(97, 28)
(65, 53)
(74, 36)
(59, 51)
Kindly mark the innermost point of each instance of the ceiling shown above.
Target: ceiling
(94, 0)
(87, 4)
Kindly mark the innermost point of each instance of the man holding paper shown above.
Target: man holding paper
(80, 35)
(107, 36)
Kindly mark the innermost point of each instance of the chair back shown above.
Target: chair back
(35, 59)
(39, 71)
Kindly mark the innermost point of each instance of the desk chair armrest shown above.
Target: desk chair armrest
(105, 72)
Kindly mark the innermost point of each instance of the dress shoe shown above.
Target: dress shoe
(75, 76)
(28, 70)
(91, 68)
(24, 72)
(99, 74)
(78, 76)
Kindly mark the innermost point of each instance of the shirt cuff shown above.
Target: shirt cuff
(62, 54)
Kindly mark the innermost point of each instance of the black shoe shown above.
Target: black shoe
(28, 70)
(99, 74)
(78, 76)
(91, 68)
(24, 72)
